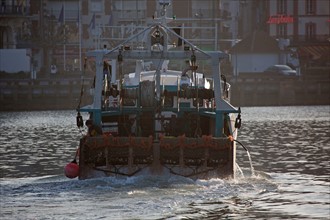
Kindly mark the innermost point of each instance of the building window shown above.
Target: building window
(310, 31)
(96, 6)
(225, 11)
(310, 7)
(281, 7)
(282, 31)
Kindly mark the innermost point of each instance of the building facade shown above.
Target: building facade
(58, 32)
(305, 25)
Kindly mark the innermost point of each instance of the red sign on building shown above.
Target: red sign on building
(280, 19)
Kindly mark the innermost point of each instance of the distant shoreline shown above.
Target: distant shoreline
(63, 93)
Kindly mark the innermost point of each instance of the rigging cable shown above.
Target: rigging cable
(79, 119)
(82, 85)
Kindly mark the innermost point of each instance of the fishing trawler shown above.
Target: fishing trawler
(157, 119)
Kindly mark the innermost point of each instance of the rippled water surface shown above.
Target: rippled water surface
(289, 146)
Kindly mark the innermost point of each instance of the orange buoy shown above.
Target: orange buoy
(71, 170)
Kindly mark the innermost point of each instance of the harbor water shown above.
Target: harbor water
(289, 149)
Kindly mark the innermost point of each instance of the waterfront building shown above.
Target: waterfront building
(304, 26)
(45, 33)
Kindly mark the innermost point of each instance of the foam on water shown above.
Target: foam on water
(152, 196)
(147, 195)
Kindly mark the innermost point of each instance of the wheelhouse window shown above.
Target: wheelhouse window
(310, 7)
(310, 31)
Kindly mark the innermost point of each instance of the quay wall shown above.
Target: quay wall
(246, 90)
(249, 90)
(43, 94)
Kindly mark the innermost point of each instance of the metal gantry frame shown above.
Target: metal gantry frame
(147, 53)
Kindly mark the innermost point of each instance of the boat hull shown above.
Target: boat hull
(202, 157)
